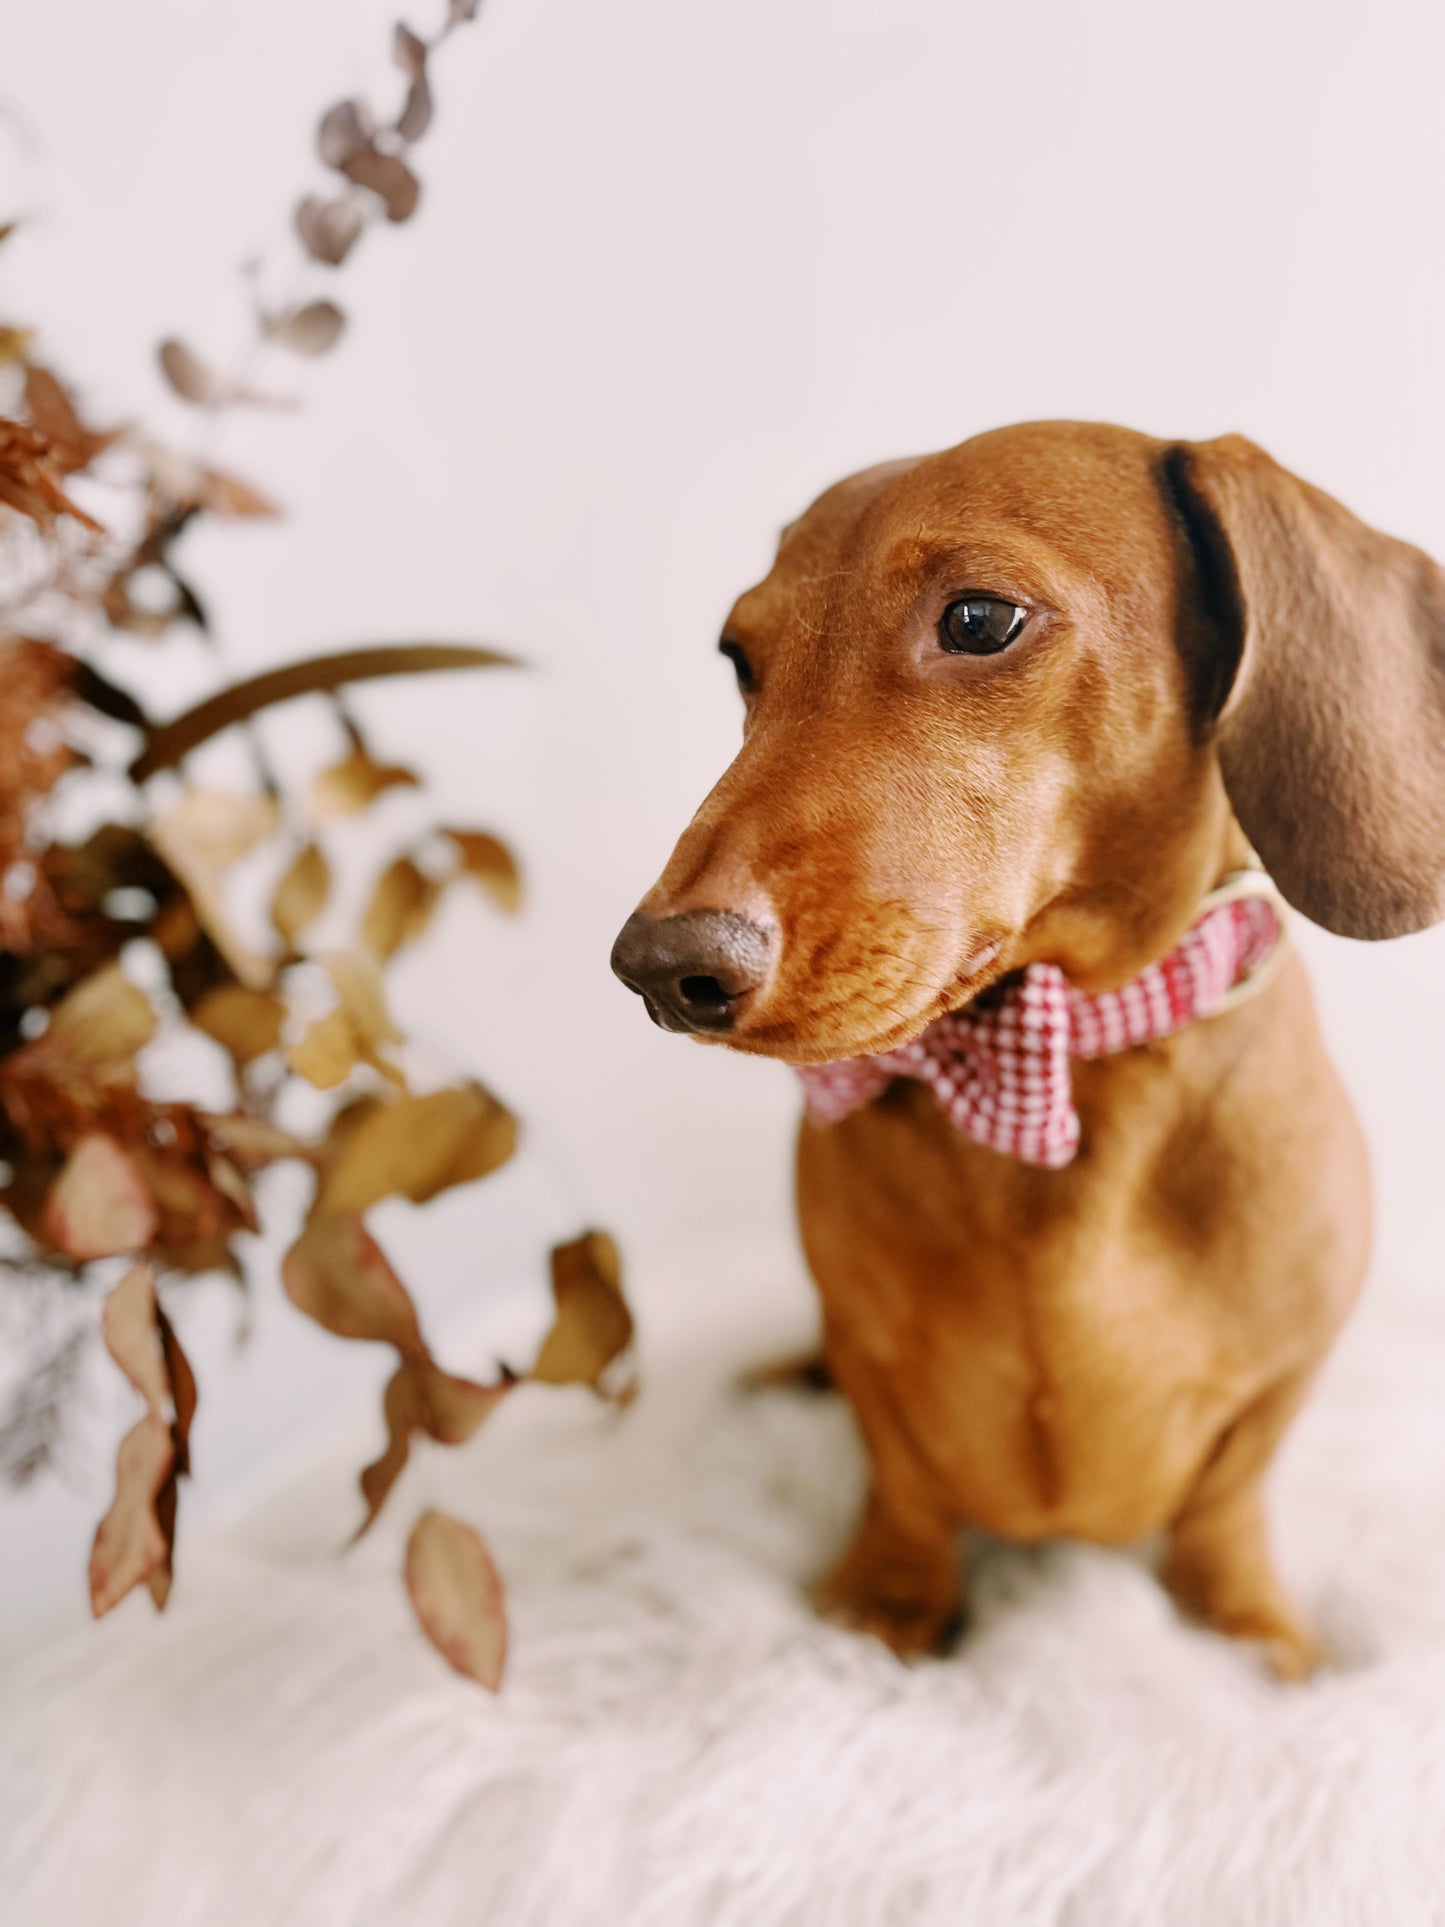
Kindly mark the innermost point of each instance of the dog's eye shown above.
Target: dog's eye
(738, 657)
(980, 625)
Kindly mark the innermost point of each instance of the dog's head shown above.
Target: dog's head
(1001, 702)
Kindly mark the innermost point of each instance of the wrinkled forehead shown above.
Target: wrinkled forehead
(1043, 511)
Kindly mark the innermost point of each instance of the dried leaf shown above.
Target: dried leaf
(464, 10)
(171, 742)
(329, 229)
(415, 1147)
(301, 895)
(353, 1034)
(326, 1052)
(458, 1597)
(200, 837)
(245, 1023)
(357, 978)
(100, 1206)
(183, 1390)
(345, 129)
(337, 1274)
(227, 495)
(251, 1142)
(408, 50)
(129, 1326)
(490, 863)
(401, 907)
(356, 781)
(94, 1033)
(310, 330)
(416, 115)
(191, 378)
(593, 1325)
(131, 1543)
(420, 1397)
(51, 409)
(29, 477)
(386, 175)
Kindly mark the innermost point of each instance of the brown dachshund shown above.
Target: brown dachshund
(1028, 702)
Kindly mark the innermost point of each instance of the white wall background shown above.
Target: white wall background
(679, 265)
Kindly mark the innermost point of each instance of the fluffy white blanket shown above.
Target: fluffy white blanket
(679, 1742)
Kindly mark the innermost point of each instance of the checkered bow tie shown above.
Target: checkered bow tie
(1001, 1072)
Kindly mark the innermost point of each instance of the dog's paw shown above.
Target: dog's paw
(912, 1625)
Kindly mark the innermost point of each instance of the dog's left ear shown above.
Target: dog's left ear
(1317, 647)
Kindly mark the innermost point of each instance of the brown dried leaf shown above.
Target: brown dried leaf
(415, 1147)
(301, 895)
(345, 130)
(183, 1390)
(310, 330)
(52, 410)
(100, 1206)
(356, 781)
(401, 907)
(15, 344)
(245, 1023)
(171, 742)
(416, 115)
(458, 1597)
(132, 1543)
(190, 377)
(420, 1397)
(329, 229)
(593, 1325)
(408, 50)
(337, 1274)
(488, 861)
(388, 176)
(227, 495)
(29, 477)
(129, 1326)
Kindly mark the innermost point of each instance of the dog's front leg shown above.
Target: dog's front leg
(901, 1577)
(1218, 1564)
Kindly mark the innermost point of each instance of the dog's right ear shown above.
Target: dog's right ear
(1317, 647)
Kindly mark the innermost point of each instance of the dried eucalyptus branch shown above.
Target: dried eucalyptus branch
(95, 1171)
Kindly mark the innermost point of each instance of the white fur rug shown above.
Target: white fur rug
(678, 1742)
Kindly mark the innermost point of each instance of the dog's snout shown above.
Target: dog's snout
(692, 970)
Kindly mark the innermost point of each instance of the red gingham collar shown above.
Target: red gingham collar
(1001, 1072)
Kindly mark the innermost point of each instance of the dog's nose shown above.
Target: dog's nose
(692, 970)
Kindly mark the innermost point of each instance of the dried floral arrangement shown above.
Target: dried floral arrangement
(110, 1194)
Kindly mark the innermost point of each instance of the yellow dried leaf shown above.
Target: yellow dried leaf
(245, 1023)
(200, 838)
(488, 861)
(593, 1325)
(356, 781)
(357, 978)
(401, 907)
(326, 1052)
(301, 895)
(458, 1597)
(94, 1032)
(414, 1147)
(100, 1206)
